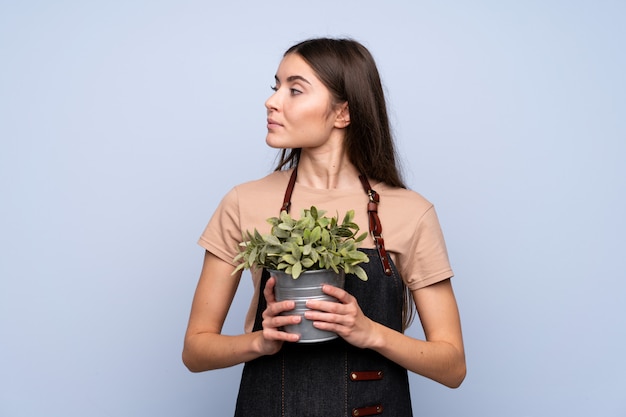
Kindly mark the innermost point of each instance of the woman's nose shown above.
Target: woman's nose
(272, 102)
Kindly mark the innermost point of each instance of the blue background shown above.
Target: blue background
(123, 123)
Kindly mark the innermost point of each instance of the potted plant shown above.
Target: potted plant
(303, 254)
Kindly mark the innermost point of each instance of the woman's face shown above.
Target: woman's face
(301, 112)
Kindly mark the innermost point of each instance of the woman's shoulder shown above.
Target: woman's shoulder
(402, 197)
(262, 195)
(270, 182)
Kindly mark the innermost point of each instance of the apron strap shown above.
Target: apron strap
(376, 228)
(287, 200)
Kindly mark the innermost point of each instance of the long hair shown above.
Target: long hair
(348, 70)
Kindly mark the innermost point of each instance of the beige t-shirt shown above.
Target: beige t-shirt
(410, 226)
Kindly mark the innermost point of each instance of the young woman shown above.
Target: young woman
(328, 116)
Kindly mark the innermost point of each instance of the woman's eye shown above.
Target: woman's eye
(292, 91)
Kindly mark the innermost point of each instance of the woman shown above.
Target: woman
(328, 116)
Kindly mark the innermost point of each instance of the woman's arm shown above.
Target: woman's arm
(440, 357)
(205, 347)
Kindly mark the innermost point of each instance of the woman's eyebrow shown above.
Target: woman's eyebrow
(293, 78)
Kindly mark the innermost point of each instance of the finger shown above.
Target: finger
(326, 306)
(343, 325)
(344, 318)
(343, 297)
(322, 317)
(329, 327)
(280, 321)
(279, 307)
(339, 293)
(279, 335)
(272, 328)
(268, 292)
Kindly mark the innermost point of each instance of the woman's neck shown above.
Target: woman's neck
(327, 171)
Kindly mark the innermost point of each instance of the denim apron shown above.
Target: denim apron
(333, 378)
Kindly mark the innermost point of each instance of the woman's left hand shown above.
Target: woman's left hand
(344, 318)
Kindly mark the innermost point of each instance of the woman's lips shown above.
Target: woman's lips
(273, 124)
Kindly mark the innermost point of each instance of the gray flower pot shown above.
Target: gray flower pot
(307, 286)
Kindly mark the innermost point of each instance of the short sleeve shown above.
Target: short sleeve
(426, 261)
(223, 233)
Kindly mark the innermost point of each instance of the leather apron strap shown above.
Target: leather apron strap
(287, 199)
(376, 228)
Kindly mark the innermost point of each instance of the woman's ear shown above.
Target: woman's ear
(343, 116)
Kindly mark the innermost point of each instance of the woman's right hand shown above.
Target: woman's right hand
(273, 336)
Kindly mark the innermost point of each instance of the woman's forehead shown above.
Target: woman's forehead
(294, 67)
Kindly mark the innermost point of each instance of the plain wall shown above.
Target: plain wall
(123, 123)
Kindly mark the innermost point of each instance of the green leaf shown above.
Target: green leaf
(282, 265)
(325, 238)
(285, 226)
(315, 257)
(280, 233)
(296, 270)
(324, 222)
(290, 259)
(253, 255)
(239, 268)
(361, 237)
(360, 273)
(262, 257)
(272, 240)
(316, 234)
(348, 217)
(296, 251)
(343, 232)
(307, 262)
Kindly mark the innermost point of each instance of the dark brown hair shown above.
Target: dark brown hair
(348, 70)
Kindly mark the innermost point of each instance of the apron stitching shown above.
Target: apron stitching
(282, 395)
(346, 383)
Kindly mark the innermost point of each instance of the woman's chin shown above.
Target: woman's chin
(276, 144)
